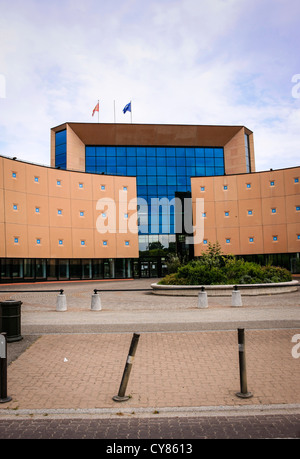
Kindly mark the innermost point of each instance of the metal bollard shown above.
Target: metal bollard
(202, 299)
(236, 297)
(11, 320)
(242, 363)
(3, 369)
(96, 302)
(61, 302)
(121, 397)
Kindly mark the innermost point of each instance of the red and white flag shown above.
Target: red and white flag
(96, 109)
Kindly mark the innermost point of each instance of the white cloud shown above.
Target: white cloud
(185, 62)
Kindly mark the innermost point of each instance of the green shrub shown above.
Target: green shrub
(198, 274)
(212, 268)
(171, 279)
(173, 264)
(275, 272)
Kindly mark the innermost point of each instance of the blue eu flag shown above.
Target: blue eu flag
(127, 108)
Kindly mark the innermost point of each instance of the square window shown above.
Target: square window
(297, 208)
(181, 181)
(171, 180)
(226, 214)
(38, 241)
(161, 162)
(251, 239)
(81, 213)
(82, 242)
(152, 191)
(248, 185)
(58, 182)
(125, 215)
(180, 162)
(142, 190)
(60, 242)
(274, 210)
(124, 188)
(126, 243)
(203, 214)
(102, 187)
(298, 237)
(14, 175)
(121, 161)
(16, 240)
(131, 170)
(151, 180)
(104, 215)
(151, 161)
(111, 161)
(141, 180)
(150, 171)
(203, 188)
(204, 241)
(296, 180)
(15, 207)
(59, 212)
(105, 243)
(250, 212)
(275, 238)
(161, 180)
(225, 187)
(36, 179)
(209, 162)
(200, 171)
(80, 185)
(37, 210)
(272, 183)
(228, 241)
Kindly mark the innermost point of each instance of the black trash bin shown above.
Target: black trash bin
(10, 311)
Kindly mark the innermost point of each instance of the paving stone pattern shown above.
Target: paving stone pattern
(169, 370)
(238, 427)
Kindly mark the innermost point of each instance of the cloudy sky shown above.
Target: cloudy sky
(228, 62)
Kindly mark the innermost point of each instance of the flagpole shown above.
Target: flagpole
(131, 111)
(115, 111)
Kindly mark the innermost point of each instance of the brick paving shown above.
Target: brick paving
(191, 428)
(75, 361)
(169, 370)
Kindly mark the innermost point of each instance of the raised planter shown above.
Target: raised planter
(226, 290)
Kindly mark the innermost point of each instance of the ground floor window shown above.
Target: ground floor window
(147, 266)
(31, 270)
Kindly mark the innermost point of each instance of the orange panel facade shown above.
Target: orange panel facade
(250, 213)
(50, 213)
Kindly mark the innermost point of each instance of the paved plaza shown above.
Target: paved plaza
(70, 364)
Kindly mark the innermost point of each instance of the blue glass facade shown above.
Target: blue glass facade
(61, 149)
(160, 172)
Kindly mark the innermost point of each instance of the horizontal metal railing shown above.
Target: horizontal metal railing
(61, 291)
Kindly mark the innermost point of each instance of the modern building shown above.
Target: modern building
(113, 202)
(58, 225)
(253, 215)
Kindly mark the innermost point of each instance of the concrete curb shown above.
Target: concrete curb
(197, 411)
(226, 290)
